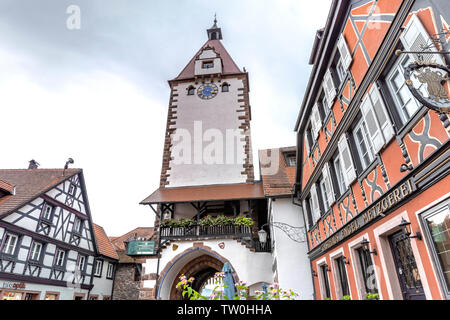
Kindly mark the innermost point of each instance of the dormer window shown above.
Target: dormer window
(225, 87)
(208, 64)
(291, 159)
(191, 91)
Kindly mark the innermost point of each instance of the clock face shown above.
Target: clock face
(207, 91)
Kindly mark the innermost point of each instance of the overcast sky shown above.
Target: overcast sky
(99, 94)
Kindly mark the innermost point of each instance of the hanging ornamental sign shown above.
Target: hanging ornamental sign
(435, 77)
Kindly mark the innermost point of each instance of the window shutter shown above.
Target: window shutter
(329, 88)
(376, 135)
(382, 115)
(315, 204)
(305, 214)
(328, 184)
(414, 36)
(316, 121)
(308, 150)
(345, 157)
(346, 56)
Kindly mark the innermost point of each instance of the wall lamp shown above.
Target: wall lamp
(366, 247)
(406, 227)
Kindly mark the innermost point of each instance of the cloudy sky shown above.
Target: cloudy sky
(99, 94)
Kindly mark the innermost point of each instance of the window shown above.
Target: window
(109, 272)
(315, 204)
(316, 121)
(339, 175)
(326, 285)
(81, 264)
(191, 91)
(342, 274)
(326, 187)
(72, 189)
(208, 64)
(291, 159)
(60, 258)
(51, 296)
(47, 212)
(329, 89)
(36, 250)
(137, 272)
(10, 244)
(93, 297)
(436, 223)
(367, 270)
(78, 225)
(405, 103)
(98, 268)
(340, 70)
(309, 139)
(363, 144)
(225, 87)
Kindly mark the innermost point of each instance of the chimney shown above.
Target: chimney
(33, 164)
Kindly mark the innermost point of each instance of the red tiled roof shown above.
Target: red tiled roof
(141, 232)
(279, 182)
(105, 246)
(6, 187)
(29, 184)
(229, 66)
(206, 193)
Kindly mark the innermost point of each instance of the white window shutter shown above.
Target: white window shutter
(346, 56)
(328, 184)
(382, 115)
(375, 133)
(345, 157)
(305, 213)
(306, 141)
(329, 88)
(316, 121)
(315, 204)
(414, 36)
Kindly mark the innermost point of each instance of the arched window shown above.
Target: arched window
(191, 91)
(225, 87)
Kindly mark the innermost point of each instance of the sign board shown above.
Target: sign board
(140, 248)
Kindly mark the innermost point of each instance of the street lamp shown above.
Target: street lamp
(365, 245)
(406, 227)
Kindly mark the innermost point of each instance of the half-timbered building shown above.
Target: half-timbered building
(373, 153)
(47, 241)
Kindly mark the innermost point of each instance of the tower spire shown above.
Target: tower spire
(215, 33)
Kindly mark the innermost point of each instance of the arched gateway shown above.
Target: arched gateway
(199, 262)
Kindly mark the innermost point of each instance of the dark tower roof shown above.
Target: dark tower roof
(215, 33)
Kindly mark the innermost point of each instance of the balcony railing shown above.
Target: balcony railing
(198, 231)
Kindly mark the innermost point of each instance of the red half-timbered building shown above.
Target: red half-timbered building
(373, 161)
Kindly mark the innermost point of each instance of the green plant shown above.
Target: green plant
(346, 298)
(243, 221)
(328, 299)
(242, 290)
(372, 296)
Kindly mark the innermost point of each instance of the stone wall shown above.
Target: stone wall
(125, 288)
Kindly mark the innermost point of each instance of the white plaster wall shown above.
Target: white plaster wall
(102, 286)
(293, 265)
(250, 267)
(218, 113)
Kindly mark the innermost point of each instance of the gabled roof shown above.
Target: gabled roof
(278, 182)
(141, 232)
(105, 247)
(229, 66)
(226, 192)
(29, 184)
